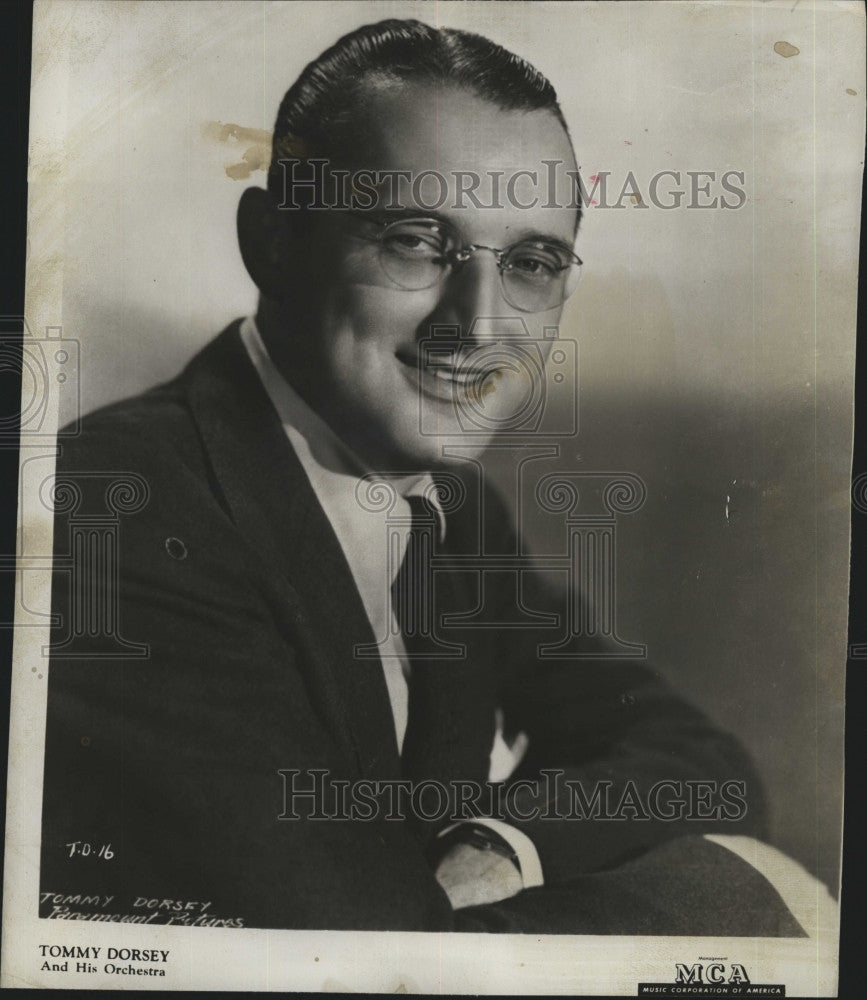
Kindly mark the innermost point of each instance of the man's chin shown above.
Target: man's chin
(429, 453)
(404, 447)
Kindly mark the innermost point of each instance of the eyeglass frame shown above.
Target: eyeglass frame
(463, 253)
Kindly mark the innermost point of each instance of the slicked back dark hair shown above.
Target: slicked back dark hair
(319, 106)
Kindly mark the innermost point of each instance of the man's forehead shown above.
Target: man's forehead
(427, 125)
(431, 145)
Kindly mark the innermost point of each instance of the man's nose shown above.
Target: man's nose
(472, 295)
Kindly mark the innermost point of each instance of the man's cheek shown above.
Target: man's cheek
(403, 310)
(374, 314)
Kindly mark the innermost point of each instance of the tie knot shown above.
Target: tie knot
(426, 512)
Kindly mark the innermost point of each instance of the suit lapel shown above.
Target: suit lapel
(272, 503)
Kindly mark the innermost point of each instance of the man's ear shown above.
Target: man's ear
(265, 241)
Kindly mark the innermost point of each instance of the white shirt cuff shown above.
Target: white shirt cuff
(526, 853)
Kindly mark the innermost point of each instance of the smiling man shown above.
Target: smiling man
(373, 283)
(337, 724)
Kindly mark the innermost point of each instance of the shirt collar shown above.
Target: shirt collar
(314, 440)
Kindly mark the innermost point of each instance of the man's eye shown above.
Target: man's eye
(415, 241)
(534, 263)
(408, 242)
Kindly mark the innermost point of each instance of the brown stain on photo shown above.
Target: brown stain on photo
(786, 49)
(489, 384)
(257, 155)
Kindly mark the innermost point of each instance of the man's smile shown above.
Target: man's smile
(441, 377)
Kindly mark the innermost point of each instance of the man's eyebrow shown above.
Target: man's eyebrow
(534, 236)
(396, 214)
(386, 215)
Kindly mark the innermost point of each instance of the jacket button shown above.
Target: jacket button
(176, 548)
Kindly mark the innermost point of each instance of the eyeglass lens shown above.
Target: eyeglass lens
(535, 276)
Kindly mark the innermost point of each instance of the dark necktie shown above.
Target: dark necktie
(450, 724)
(412, 592)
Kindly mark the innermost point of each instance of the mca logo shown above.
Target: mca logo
(711, 977)
(712, 974)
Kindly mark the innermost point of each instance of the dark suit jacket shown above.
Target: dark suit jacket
(232, 577)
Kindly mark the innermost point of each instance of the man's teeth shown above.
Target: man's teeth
(461, 377)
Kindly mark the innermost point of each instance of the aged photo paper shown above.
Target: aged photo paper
(470, 614)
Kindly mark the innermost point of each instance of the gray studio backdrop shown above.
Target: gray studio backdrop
(716, 345)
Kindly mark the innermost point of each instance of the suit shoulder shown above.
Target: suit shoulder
(153, 425)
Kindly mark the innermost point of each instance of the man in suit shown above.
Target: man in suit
(284, 670)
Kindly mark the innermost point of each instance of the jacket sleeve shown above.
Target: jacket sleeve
(617, 763)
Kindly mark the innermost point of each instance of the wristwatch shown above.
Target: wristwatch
(476, 835)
